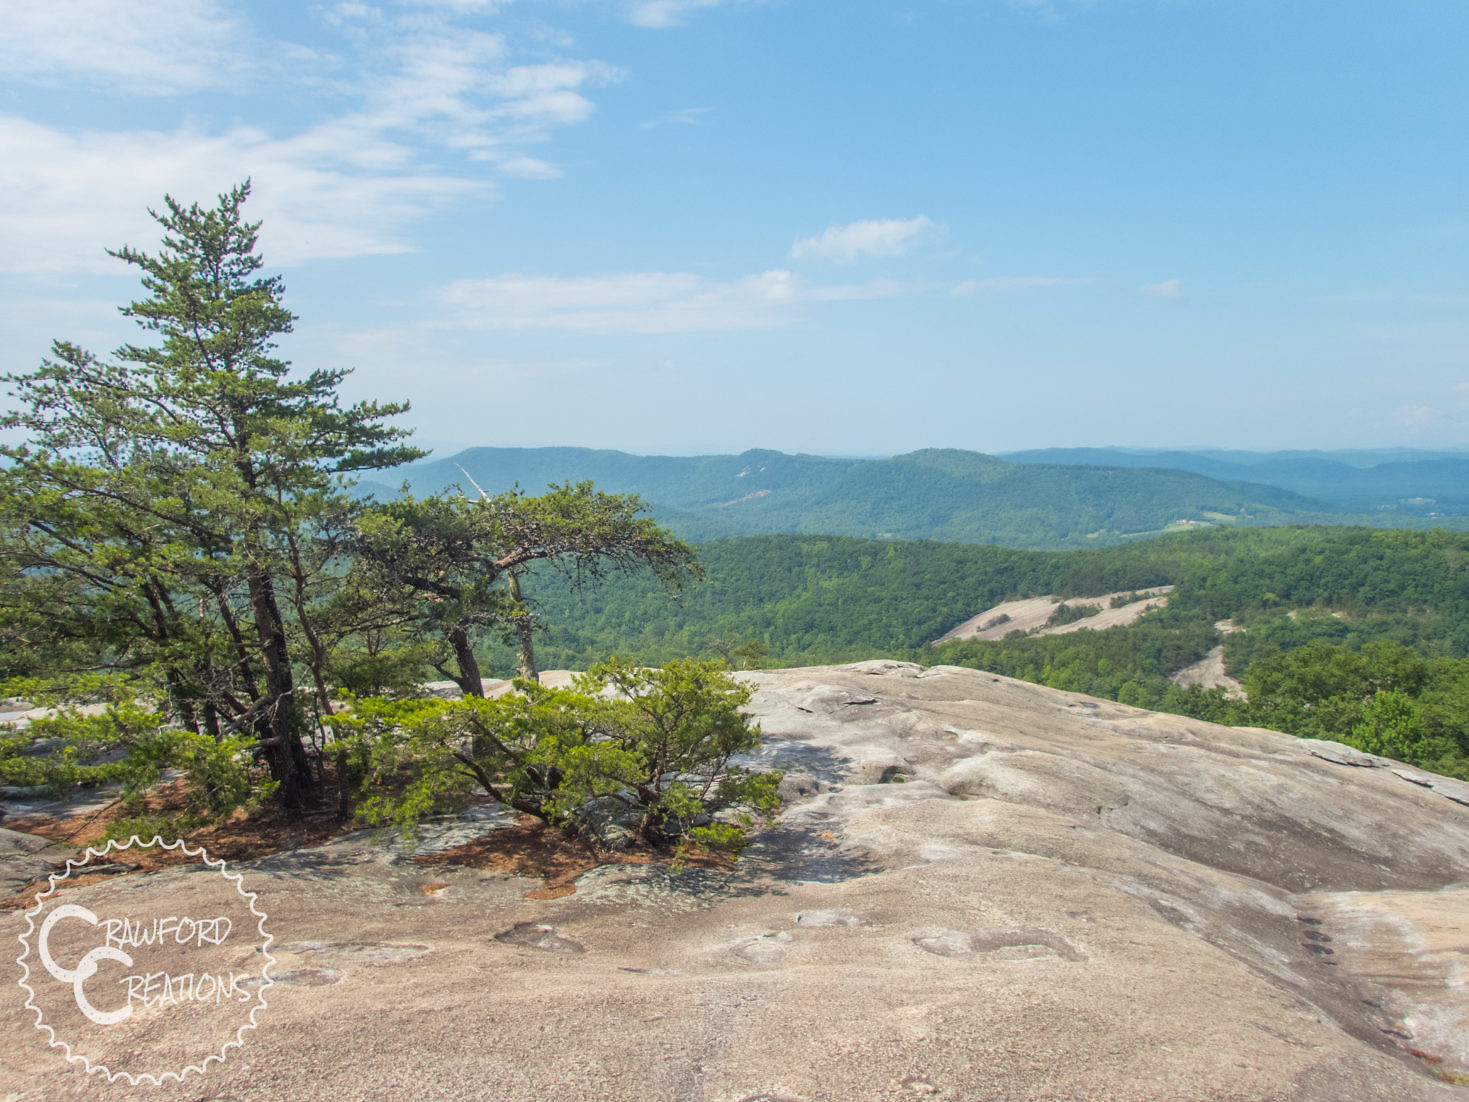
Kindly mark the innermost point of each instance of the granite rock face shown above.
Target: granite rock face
(979, 889)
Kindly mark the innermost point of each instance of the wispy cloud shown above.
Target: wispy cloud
(890, 237)
(1013, 283)
(450, 90)
(661, 14)
(349, 11)
(644, 302)
(317, 199)
(1169, 288)
(163, 47)
(462, 7)
(687, 116)
(436, 113)
(528, 168)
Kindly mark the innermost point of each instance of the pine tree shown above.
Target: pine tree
(179, 493)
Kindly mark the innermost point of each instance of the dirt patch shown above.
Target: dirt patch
(529, 847)
(533, 848)
(241, 837)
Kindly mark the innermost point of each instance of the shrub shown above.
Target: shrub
(658, 744)
(1069, 614)
(128, 744)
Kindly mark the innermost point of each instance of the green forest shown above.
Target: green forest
(826, 599)
(1299, 599)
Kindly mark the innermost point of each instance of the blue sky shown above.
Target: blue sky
(688, 226)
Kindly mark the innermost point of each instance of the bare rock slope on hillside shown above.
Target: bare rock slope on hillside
(1031, 615)
(979, 889)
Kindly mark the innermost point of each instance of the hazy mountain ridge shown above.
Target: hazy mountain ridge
(1390, 479)
(945, 494)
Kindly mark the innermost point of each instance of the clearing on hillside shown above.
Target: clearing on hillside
(1029, 616)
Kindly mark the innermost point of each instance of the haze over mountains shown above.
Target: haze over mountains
(1398, 480)
(1052, 499)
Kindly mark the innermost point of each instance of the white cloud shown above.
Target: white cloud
(449, 92)
(317, 200)
(349, 10)
(687, 116)
(528, 168)
(525, 81)
(459, 7)
(1169, 288)
(661, 14)
(643, 302)
(348, 186)
(890, 237)
(1013, 283)
(162, 47)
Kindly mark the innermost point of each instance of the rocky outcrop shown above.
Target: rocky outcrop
(980, 889)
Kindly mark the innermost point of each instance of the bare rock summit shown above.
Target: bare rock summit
(978, 889)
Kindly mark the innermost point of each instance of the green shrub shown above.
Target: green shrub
(658, 745)
(1069, 614)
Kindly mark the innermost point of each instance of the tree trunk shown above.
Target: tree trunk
(469, 680)
(242, 650)
(182, 705)
(524, 629)
(281, 734)
(163, 618)
(315, 646)
(344, 785)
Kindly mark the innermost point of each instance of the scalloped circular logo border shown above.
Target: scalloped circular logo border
(73, 865)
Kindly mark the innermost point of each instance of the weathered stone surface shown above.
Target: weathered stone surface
(766, 949)
(1340, 753)
(25, 857)
(1067, 899)
(536, 935)
(828, 916)
(1451, 789)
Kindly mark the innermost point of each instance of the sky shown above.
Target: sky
(855, 228)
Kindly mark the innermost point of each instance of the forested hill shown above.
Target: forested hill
(813, 599)
(940, 494)
(1399, 482)
(1352, 634)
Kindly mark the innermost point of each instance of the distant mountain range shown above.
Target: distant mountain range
(1065, 498)
(1400, 480)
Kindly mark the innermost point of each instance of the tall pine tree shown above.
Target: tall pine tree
(174, 498)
